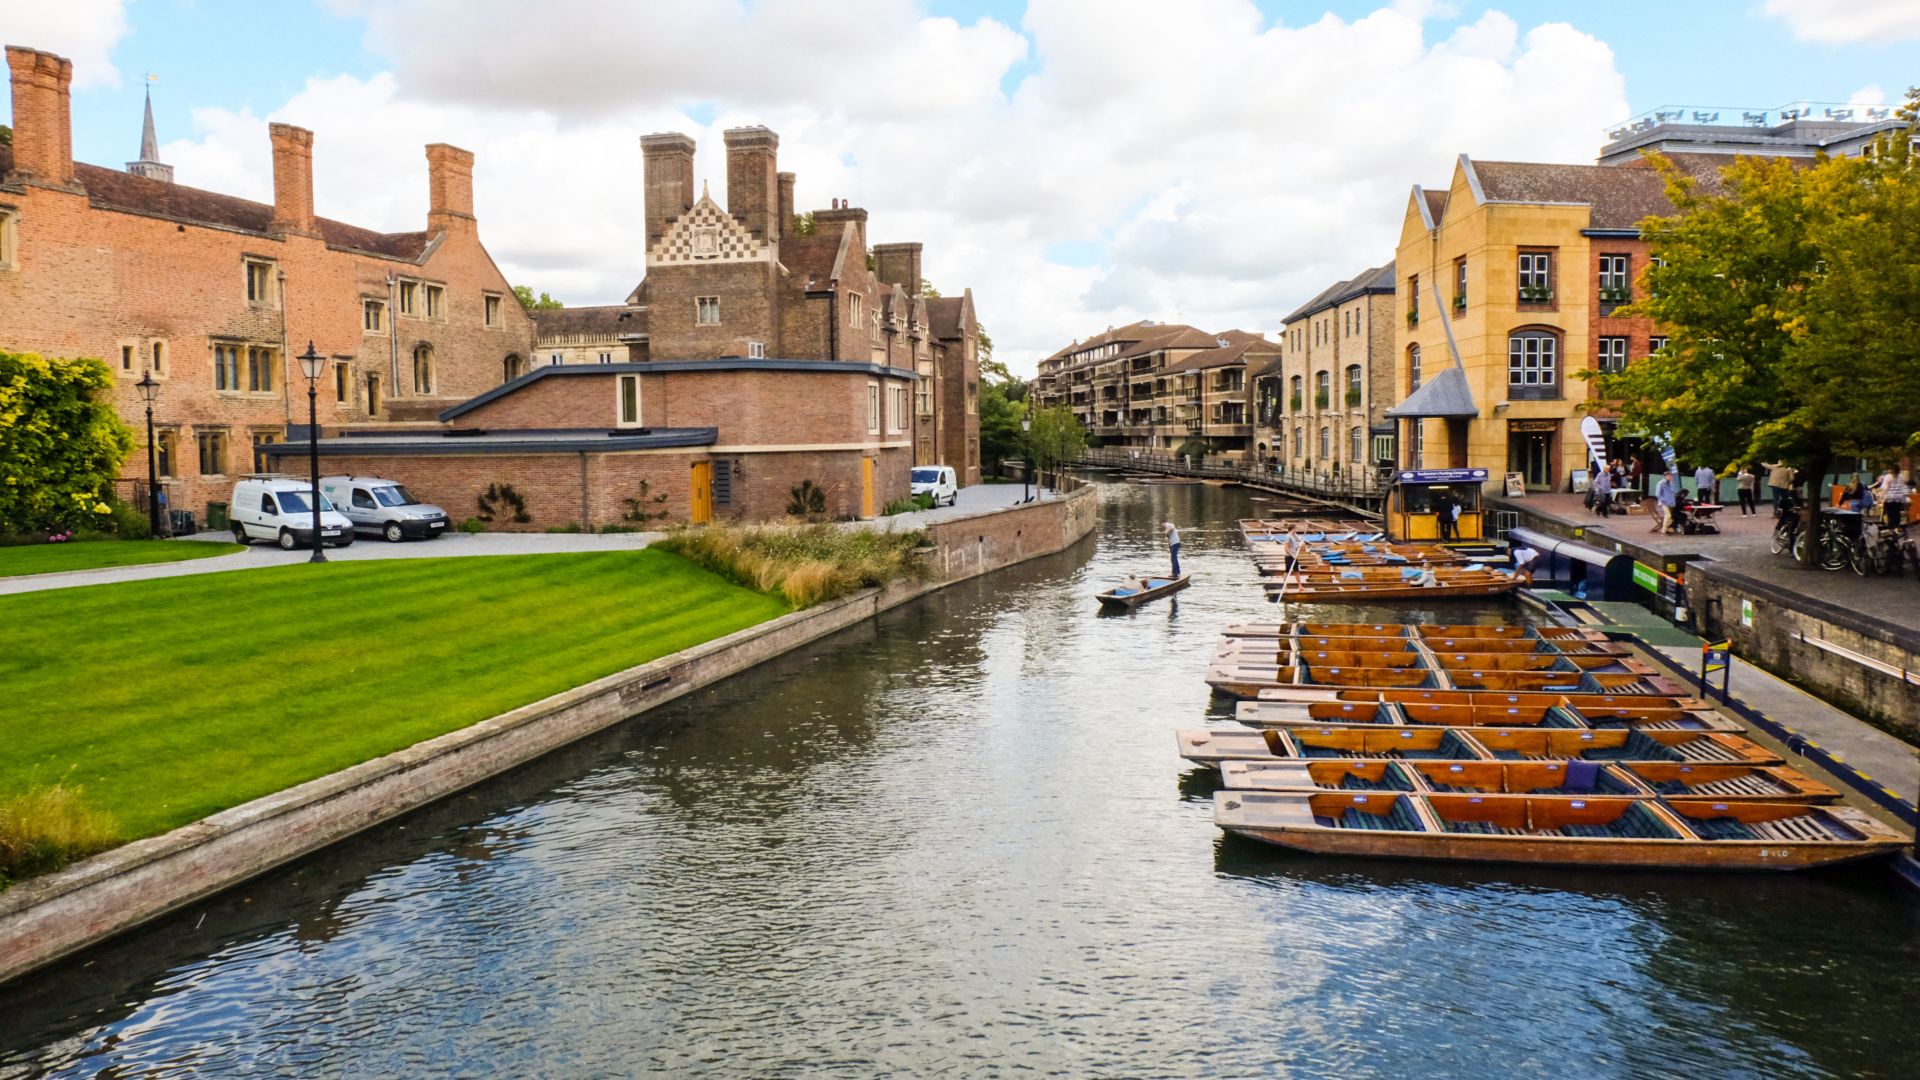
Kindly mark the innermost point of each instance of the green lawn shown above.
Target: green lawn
(170, 699)
(97, 554)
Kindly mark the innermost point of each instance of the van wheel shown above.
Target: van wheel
(240, 535)
(392, 532)
(287, 541)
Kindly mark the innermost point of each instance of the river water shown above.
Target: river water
(958, 841)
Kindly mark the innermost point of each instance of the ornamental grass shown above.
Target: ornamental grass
(804, 564)
(44, 828)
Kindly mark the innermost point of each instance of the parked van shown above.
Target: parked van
(937, 481)
(384, 507)
(273, 506)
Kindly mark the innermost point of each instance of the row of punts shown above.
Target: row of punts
(1633, 776)
(1329, 561)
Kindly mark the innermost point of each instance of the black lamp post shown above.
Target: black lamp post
(149, 388)
(1026, 430)
(311, 364)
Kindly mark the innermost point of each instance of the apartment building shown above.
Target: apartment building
(1321, 408)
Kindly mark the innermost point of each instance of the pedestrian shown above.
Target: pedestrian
(1602, 491)
(1892, 491)
(1706, 485)
(1635, 478)
(1748, 486)
(1173, 544)
(1443, 512)
(1523, 557)
(1666, 498)
(1779, 482)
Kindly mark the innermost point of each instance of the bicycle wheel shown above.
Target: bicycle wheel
(1858, 556)
(1885, 558)
(1782, 537)
(1833, 550)
(1800, 547)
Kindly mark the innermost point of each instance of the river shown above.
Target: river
(958, 841)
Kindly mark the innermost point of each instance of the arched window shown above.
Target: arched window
(1295, 394)
(423, 368)
(1322, 389)
(1533, 364)
(1299, 441)
(512, 366)
(1326, 442)
(1357, 445)
(1413, 368)
(1353, 386)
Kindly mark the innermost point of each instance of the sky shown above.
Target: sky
(1079, 164)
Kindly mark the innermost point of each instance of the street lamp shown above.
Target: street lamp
(1026, 430)
(149, 388)
(311, 364)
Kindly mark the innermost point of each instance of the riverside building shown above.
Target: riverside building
(1321, 408)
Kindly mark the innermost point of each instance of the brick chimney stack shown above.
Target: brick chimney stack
(752, 195)
(42, 116)
(669, 180)
(292, 179)
(786, 204)
(449, 187)
(898, 264)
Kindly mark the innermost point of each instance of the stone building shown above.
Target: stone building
(1158, 387)
(215, 295)
(1524, 267)
(1322, 408)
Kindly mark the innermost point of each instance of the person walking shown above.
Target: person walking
(1173, 544)
(1706, 485)
(1602, 492)
(1893, 492)
(1779, 482)
(1666, 499)
(1747, 485)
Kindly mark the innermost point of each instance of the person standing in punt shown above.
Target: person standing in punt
(1173, 544)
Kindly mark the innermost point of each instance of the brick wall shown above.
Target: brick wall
(748, 311)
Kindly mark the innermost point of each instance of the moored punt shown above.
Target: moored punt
(1211, 746)
(1617, 744)
(1589, 831)
(1362, 592)
(1327, 775)
(1571, 682)
(1724, 783)
(1438, 744)
(1294, 706)
(1244, 679)
(1140, 590)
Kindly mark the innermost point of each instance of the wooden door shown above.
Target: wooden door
(702, 494)
(866, 487)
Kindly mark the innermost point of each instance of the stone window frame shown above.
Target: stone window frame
(756, 350)
(604, 357)
(212, 440)
(227, 366)
(342, 384)
(166, 451)
(873, 408)
(260, 282)
(263, 362)
(261, 437)
(129, 352)
(897, 408)
(702, 307)
(1357, 444)
(853, 309)
(158, 352)
(9, 237)
(490, 310)
(421, 356)
(407, 298)
(433, 297)
(373, 315)
(620, 415)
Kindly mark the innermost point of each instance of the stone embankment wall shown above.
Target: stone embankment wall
(47, 918)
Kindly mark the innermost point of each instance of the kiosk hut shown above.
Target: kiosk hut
(1419, 497)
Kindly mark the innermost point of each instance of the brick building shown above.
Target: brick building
(215, 294)
(1321, 409)
(754, 281)
(1158, 387)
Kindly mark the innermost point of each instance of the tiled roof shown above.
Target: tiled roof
(604, 321)
(1241, 347)
(1436, 203)
(944, 314)
(811, 258)
(1169, 336)
(1620, 197)
(1130, 332)
(1379, 279)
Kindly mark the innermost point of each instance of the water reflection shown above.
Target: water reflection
(957, 840)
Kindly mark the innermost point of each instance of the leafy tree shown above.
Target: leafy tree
(1056, 438)
(6, 135)
(1788, 298)
(527, 300)
(803, 224)
(1000, 435)
(60, 446)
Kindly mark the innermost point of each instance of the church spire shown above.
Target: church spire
(149, 164)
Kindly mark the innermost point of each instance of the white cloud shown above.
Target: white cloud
(84, 31)
(1229, 167)
(1848, 21)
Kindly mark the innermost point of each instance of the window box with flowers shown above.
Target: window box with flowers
(1296, 402)
(1353, 399)
(1616, 296)
(1460, 303)
(1536, 294)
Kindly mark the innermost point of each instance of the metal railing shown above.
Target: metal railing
(1363, 493)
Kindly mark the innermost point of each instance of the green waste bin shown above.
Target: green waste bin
(217, 517)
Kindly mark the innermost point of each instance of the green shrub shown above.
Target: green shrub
(908, 505)
(61, 443)
(805, 564)
(473, 525)
(610, 528)
(45, 828)
(569, 527)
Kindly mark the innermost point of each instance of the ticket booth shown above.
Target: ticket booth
(1419, 496)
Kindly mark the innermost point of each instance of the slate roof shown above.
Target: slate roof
(1378, 279)
(813, 257)
(604, 321)
(1444, 395)
(112, 189)
(1436, 203)
(1620, 197)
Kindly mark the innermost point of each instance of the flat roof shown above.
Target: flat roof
(657, 367)
(456, 441)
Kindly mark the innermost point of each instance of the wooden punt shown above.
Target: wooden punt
(1726, 783)
(1140, 590)
(1335, 675)
(1364, 593)
(1619, 744)
(1527, 778)
(1324, 775)
(1291, 706)
(1371, 742)
(1572, 682)
(1563, 831)
(1356, 659)
(1279, 649)
(1504, 661)
(1211, 746)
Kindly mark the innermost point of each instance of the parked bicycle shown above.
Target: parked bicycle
(1891, 547)
(1786, 524)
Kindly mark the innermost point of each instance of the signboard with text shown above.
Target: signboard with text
(1442, 476)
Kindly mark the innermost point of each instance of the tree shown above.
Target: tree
(1787, 299)
(6, 135)
(1057, 437)
(528, 301)
(1000, 435)
(60, 447)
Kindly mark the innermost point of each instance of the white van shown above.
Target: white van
(273, 506)
(384, 507)
(937, 481)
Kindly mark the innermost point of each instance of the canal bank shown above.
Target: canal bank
(955, 839)
(49, 917)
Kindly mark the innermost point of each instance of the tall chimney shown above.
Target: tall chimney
(449, 187)
(786, 203)
(669, 180)
(751, 189)
(898, 264)
(292, 179)
(42, 116)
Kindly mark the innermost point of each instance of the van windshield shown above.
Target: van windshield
(295, 502)
(394, 496)
(926, 476)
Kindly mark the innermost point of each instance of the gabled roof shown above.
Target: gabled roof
(112, 189)
(1436, 203)
(1379, 279)
(817, 258)
(1619, 197)
(1130, 332)
(947, 315)
(1233, 347)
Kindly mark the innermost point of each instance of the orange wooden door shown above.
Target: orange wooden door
(702, 500)
(866, 487)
